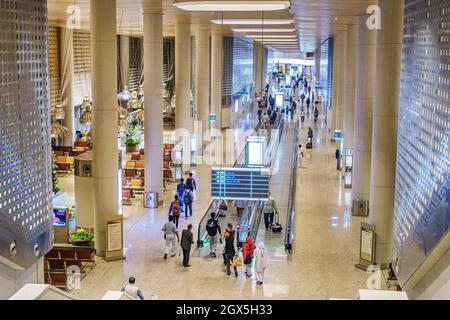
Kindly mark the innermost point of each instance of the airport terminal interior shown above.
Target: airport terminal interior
(226, 150)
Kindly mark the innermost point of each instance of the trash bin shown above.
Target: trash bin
(360, 208)
(151, 200)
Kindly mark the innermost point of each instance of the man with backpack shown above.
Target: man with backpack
(188, 198)
(190, 183)
(181, 187)
(174, 210)
(214, 233)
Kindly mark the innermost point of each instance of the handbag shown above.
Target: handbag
(237, 261)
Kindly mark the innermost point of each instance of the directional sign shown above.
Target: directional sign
(240, 184)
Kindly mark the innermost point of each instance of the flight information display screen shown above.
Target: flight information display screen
(240, 184)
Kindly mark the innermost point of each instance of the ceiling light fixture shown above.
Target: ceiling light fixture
(253, 21)
(271, 40)
(284, 36)
(231, 5)
(255, 30)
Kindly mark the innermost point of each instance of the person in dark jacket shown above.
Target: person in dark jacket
(338, 158)
(230, 251)
(187, 240)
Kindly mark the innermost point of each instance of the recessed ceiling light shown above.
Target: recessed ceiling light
(253, 21)
(232, 5)
(256, 30)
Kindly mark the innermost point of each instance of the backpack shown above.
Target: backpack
(211, 227)
(187, 198)
(189, 184)
(176, 208)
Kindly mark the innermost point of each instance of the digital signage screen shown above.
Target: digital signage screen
(59, 217)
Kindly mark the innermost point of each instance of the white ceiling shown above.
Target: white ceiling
(314, 20)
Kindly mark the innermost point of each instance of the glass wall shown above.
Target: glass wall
(326, 70)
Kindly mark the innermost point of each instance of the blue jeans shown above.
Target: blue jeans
(186, 208)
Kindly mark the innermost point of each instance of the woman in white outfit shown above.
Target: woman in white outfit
(260, 263)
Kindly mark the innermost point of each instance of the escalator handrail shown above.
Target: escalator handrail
(289, 235)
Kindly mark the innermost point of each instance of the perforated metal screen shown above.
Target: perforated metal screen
(422, 213)
(25, 151)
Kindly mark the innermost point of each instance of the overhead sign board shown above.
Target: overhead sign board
(240, 183)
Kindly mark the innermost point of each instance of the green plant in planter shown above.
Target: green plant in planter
(133, 136)
(56, 184)
(81, 235)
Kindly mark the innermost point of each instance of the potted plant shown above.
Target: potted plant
(133, 137)
(81, 237)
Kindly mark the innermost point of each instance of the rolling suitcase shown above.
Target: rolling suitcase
(276, 227)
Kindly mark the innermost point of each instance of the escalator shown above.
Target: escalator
(248, 224)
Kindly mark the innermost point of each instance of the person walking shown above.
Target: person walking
(174, 210)
(214, 233)
(316, 114)
(260, 263)
(170, 232)
(188, 199)
(338, 158)
(249, 248)
(190, 183)
(187, 240)
(230, 252)
(308, 103)
(131, 289)
(269, 212)
(181, 187)
(303, 97)
(302, 115)
(301, 155)
(240, 207)
(265, 121)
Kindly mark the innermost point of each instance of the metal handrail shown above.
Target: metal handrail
(289, 235)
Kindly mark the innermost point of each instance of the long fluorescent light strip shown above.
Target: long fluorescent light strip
(275, 40)
(253, 21)
(232, 5)
(284, 36)
(256, 30)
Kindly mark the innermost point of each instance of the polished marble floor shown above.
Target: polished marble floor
(325, 250)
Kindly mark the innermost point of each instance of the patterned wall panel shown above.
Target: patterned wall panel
(81, 65)
(326, 69)
(237, 66)
(422, 212)
(54, 63)
(25, 151)
(136, 66)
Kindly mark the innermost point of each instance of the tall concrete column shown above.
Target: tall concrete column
(385, 124)
(104, 87)
(216, 77)
(349, 83)
(203, 75)
(153, 92)
(125, 60)
(67, 90)
(365, 87)
(258, 67)
(342, 47)
(336, 83)
(183, 119)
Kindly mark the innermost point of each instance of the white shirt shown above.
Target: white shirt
(133, 291)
